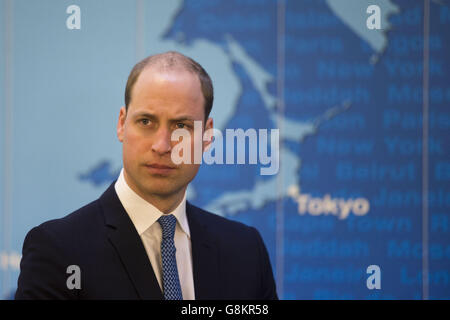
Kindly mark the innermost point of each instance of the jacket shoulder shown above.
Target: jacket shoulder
(80, 220)
(47, 251)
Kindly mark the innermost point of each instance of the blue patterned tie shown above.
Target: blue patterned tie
(171, 282)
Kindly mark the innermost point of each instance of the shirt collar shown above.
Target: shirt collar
(142, 213)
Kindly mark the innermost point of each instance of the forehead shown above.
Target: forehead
(168, 91)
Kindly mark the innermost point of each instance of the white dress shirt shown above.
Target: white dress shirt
(144, 217)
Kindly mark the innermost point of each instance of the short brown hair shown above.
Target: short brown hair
(173, 59)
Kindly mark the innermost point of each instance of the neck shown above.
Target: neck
(164, 203)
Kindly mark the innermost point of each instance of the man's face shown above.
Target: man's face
(161, 102)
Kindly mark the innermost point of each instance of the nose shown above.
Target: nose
(162, 143)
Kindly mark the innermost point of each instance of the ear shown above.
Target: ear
(208, 134)
(121, 123)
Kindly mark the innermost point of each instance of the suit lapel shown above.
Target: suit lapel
(205, 257)
(126, 241)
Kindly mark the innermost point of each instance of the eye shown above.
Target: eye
(181, 125)
(144, 121)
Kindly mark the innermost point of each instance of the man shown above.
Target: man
(141, 239)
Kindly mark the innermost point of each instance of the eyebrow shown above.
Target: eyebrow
(182, 118)
(143, 114)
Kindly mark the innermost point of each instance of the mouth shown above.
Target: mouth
(161, 169)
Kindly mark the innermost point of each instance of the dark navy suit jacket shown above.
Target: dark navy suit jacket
(230, 260)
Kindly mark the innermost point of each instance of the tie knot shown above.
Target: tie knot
(168, 223)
